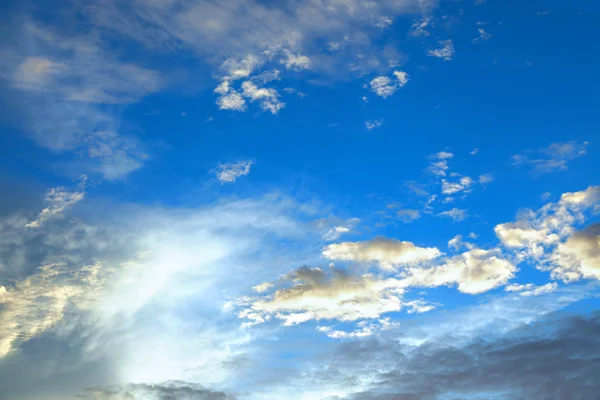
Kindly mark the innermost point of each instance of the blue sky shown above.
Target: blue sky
(299, 200)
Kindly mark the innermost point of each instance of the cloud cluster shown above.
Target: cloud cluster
(163, 391)
(384, 86)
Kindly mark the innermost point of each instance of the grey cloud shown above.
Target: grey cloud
(174, 390)
(556, 358)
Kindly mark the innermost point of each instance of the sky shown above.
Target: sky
(314, 200)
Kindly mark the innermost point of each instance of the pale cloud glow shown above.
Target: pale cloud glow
(230, 172)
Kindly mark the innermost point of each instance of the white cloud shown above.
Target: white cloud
(295, 62)
(474, 151)
(384, 22)
(231, 101)
(402, 77)
(530, 289)
(383, 86)
(462, 185)
(483, 36)
(553, 158)
(37, 303)
(445, 51)
(58, 200)
(419, 27)
(486, 178)
(228, 173)
(474, 272)
(267, 97)
(579, 256)
(240, 68)
(386, 252)
(370, 125)
(335, 232)
(408, 216)
(456, 214)
(439, 163)
(457, 243)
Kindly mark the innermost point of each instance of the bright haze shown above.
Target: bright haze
(313, 200)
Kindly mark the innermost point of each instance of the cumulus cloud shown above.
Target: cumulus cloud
(229, 172)
(483, 36)
(579, 256)
(384, 86)
(475, 271)
(386, 252)
(58, 200)
(445, 50)
(336, 231)
(555, 157)
(317, 294)
(462, 185)
(439, 163)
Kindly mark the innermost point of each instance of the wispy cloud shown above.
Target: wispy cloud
(555, 157)
(445, 50)
(228, 173)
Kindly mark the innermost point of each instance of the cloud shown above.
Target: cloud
(365, 329)
(445, 51)
(579, 256)
(317, 294)
(384, 86)
(555, 157)
(486, 178)
(531, 289)
(228, 173)
(295, 62)
(407, 216)
(335, 232)
(67, 93)
(483, 36)
(439, 163)
(462, 185)
(456, 214)
(267, 97)
(163, 391)
(386, 252)
(58, 199)
(370, 125)
(475, 271)
(419, 27)
(551, 358)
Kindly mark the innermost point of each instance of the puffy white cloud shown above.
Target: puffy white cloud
(386, 252)
(475, 271)
(229, 172)
(267, 97)
(579, 256)
(316, 294)
(365, 329)
(402, 77)
(383, 86)
(240, 68)
(232, 100)
(58, 199)
(486, 178)
(445, 51)
(439, 163)
(462, 185)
